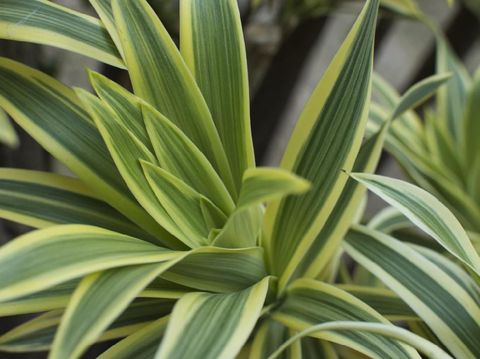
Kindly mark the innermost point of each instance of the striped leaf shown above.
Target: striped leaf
(140, 345)
(52, 114)
(159, 76)
(56, 297)
(164, 289)
(40, 199)
(179, 155)
(38, 334)
(98, 300)
(427, 212)
(259, 185)
(47, 257)
(309, 302)
(407, 128)
(127, 151)
(328, 240)
(325, 141)
(384, 301)
(234, 269)
(47, 23)
(457, 273)
(212, 325)
(389, 220)
(182, 204)
(213, 47)
(419, 93)
(34, 335)
(269, 336)
(8, 136)
(436, 297)
(387, 331)
(451, 99)
(104, 10)
(123, 103)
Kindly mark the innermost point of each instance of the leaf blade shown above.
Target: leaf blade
(213, 47)
(190, 335)
(47, 23)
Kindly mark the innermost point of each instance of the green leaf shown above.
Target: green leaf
(181, 202)
(405, 139)
(47, 257)
(126, 106)
(56, 297)
(384, 301)
(457, 273)
(98, 300)
(213, 47)
(160, 76)
(388, 331)
(47, 23)
(127, 151)
(212, 325)
(425, 211)
(140, 345)
(328, 240)
(40, 199)
(269, 336)
(325, 141)
(178, 155)
(437, 298)
(234, 269)
(104, 10)
(38, 334)
(52, 114)
(309, 302)
(451, 99)
(34, 335)
(259, 185)
(419, 93)
(389, 220)
(8, 136)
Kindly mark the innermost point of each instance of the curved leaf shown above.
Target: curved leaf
(52, 114)
(309, 302)
(325, 141)
(427, 212)
(450, 312)
(212, 44)
(40, 199)
(159, 76)
(140, 345)
(46, 257)
(45, 22)
(212, 325)
(98, 300)
(127, 151)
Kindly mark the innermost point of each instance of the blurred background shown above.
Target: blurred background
(289, 45)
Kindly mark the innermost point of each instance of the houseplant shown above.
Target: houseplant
(163, 238)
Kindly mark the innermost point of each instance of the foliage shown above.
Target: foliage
(438, 275)
(163, 239)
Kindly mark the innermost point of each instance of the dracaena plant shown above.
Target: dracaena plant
(437, 276)
(163, 239)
